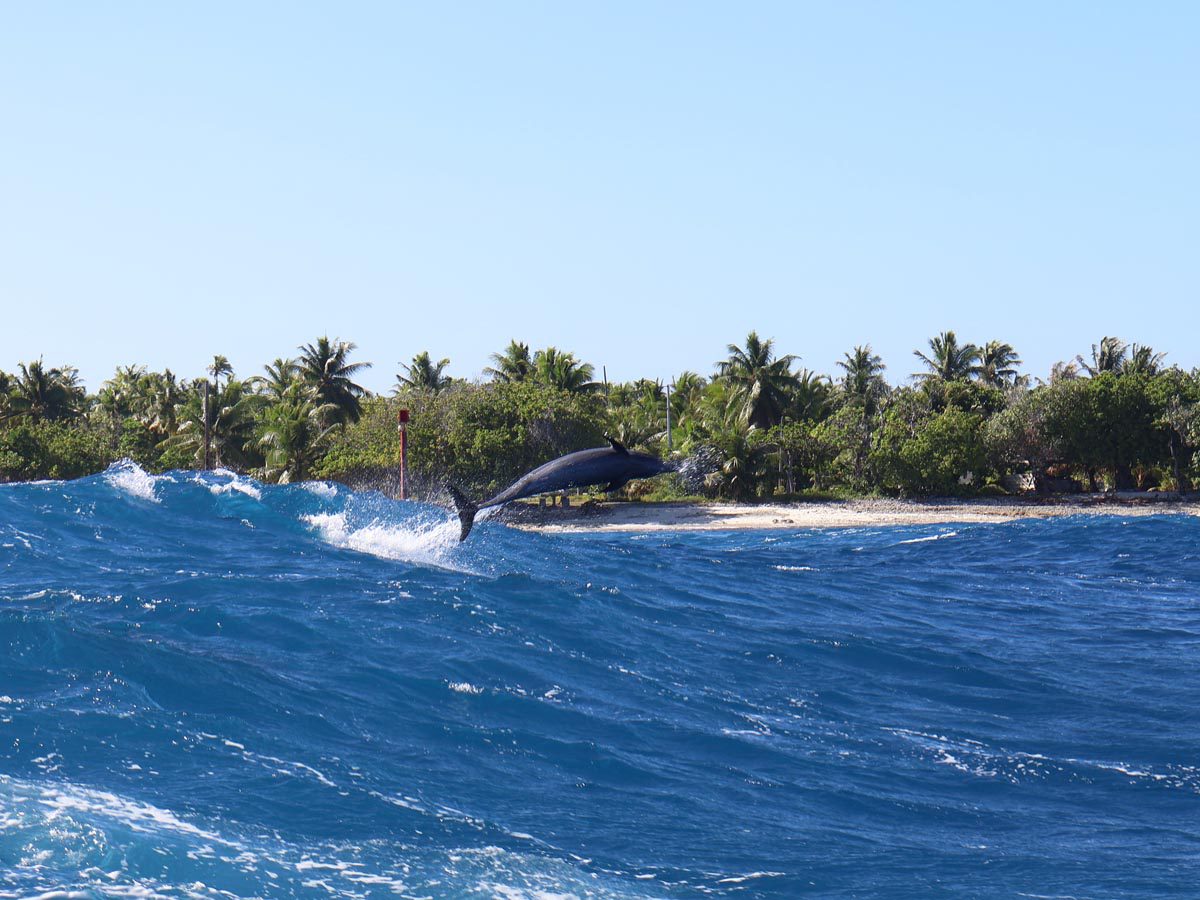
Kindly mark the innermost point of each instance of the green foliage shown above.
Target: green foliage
(760, 383)
(1119, 419)
(325, 368)
(997, 365)
(51, 449)
(39, 394)
(936, 454)
(969, 396)
(561, 371)
(292, 436)
(139, 443)
(1119, 430)
(805, 454)
(514, 364)
(230, 413)
(480, 436)
(948, 360)
(424, 374)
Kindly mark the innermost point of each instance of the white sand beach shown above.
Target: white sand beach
(829, 514)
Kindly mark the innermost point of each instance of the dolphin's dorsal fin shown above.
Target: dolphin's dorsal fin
(617, 445)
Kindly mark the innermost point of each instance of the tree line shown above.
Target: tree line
(967, 422)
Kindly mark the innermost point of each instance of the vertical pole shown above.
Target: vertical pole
(404, 454)
(604, 369)
(207, 429)
(668, 420)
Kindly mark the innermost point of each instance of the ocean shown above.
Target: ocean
(215, 688)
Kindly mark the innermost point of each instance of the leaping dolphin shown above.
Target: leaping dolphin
(611, 466)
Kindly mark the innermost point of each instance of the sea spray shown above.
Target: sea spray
(695, 470)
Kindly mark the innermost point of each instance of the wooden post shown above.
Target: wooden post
(404, 454)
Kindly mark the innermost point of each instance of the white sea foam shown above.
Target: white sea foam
(236, 483)
(104, 838)
(932, 537)
(136, 816)
(320, 488)
(130, 478)
(464, 687)
(427, 543)
(740, 879)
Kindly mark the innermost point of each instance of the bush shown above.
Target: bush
(480, 436)
(52, 450)
(932, 455)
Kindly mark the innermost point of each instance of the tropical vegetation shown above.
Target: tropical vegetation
(968, 422)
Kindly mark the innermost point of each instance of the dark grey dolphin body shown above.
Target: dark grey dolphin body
(611, 466)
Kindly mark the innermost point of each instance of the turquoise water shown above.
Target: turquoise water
(213, 688)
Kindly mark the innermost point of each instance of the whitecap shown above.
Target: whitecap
(235, 483)
(932, 537)
(320, 488)
(130, 478)
(429, 543)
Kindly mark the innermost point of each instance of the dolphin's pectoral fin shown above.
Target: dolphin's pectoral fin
(616, 485)
(617, 445)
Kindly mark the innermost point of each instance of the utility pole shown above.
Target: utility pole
(404, 454)
(668, 419)
(207, 429)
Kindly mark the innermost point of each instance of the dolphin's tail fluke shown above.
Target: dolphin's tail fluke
(465, 508)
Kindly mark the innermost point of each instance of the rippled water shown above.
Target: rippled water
(210, 687)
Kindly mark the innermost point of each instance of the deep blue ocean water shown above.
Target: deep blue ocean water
(213, 688)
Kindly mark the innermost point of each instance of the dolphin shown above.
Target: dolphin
(611, 466)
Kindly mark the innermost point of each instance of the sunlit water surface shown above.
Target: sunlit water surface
(214, 688)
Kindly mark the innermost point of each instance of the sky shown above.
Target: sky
(640, 183)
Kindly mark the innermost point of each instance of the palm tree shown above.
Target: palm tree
(621, 394)
(163, 394)
(514, 364)
(231, 420)
(558, 369)
(292, 437)
(948, 360)
(864, 386)
(649, 392)
(810, 397)
(685, 394)
(123, 395)
(424, 374)
(1062, 371)
(325, 368)
(1142, 361)
(281, 381)
(1107, 356)
(634, 426)
(863, 381)
(220, 366)
(41, 394)
(997, 364)
(760, 382)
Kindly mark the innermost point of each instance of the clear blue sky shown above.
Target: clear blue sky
(640, 183)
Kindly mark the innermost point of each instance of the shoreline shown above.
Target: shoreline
(606, 516)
